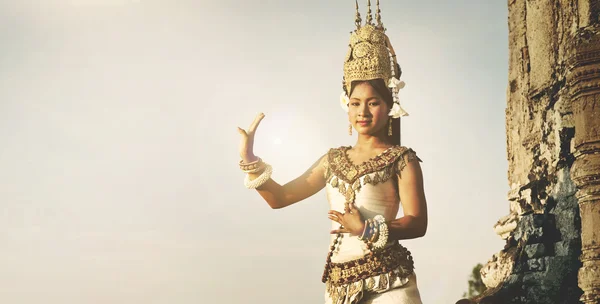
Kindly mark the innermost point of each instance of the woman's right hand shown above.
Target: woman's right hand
(247, 141)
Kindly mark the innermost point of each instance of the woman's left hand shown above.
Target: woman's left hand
(350, 220)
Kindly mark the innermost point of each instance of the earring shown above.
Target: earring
(390, 127)
(349, 129)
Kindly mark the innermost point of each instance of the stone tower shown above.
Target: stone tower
(552, 233)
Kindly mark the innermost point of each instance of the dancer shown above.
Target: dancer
(366, 184)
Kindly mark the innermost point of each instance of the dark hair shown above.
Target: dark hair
(383, 91)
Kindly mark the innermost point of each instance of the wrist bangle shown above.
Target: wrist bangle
(362, 236)
(383, 232)
(252, 165)
(375, 233)
(260, 180)
(258, 159)
(257, 168)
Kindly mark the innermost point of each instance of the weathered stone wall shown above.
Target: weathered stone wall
(584, 80)
(553, 57)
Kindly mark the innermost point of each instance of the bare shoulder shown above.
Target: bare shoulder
(305, 185)
(322, 164)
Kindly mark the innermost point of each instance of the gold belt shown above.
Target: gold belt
(386, 260)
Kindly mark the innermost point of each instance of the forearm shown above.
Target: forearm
(302, 187)
(271, 192)
(407, 227)
(268, 189)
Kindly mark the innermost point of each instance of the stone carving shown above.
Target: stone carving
(584, 81)
(552, 231)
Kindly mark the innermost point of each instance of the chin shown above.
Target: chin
(367, 132)
(370, 130)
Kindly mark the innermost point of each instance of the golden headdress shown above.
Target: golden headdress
(371, 56)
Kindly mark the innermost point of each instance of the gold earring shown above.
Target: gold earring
(349, 129)
(390, 127)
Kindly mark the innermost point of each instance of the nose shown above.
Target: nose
(363, 110)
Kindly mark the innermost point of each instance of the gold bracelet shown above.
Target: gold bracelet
(257, 169)
(251, 166)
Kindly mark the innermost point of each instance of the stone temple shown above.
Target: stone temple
(552, 230)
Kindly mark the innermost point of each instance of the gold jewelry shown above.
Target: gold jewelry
(390, 127)
(257, 169)
(349, 129)
(393, 258)
(252, 167)
(371, 54)
(250, 163)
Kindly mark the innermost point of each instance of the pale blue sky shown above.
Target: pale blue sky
(119, 180)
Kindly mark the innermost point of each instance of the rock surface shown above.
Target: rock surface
(552, 231)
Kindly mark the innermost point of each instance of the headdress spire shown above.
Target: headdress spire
(369, 15)
(371, 56)
(358, 21)
(378, 16)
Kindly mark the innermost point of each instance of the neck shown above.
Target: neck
(369, 142)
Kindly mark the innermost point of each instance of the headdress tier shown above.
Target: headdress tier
(371, 55)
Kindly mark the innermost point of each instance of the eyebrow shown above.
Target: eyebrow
(373, 97)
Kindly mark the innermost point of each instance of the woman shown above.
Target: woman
(366, 184)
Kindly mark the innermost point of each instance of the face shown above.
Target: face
(367, 112)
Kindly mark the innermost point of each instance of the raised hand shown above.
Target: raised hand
(350, 220)
(247, 141)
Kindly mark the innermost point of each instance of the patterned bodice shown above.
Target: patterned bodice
(371, 185)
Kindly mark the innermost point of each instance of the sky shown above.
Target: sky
(119, 180)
